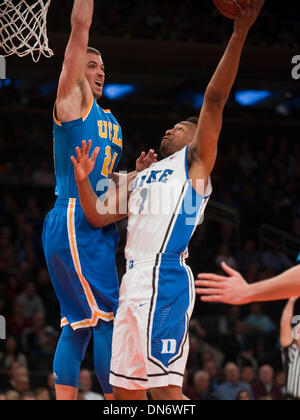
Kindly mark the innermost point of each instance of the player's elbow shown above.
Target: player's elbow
(103, 220)
(80, 24)
(215, 97)
(215, 100)
(98, 223)
(284, 324)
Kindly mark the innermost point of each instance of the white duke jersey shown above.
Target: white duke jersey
(164, 209)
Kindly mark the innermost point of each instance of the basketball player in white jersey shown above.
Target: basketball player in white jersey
(167, 202)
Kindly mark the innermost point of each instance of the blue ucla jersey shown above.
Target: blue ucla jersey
(103, 129)
(81, 259)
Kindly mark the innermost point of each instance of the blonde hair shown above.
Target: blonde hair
(91, 50)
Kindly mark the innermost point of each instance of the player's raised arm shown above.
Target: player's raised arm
(203, 150)
(73, 72)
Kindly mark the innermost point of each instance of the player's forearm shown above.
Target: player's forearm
(115, 207)
(82, 13)
(88, 201)
(103, 213)
(98, 213)
(224, 77)
(280, 287)
(287, 313)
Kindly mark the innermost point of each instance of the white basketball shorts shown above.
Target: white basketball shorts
(150, 340)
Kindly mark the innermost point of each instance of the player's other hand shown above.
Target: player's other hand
(215, 288)
(145, 161)
(247, 15)
(83, 164)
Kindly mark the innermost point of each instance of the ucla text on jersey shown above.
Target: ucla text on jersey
(104, 130)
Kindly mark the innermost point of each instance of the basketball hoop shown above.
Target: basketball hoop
(23, 28)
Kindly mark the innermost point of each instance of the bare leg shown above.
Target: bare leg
(64, 392)
(109, 396)
(170, 392)
(126, 394)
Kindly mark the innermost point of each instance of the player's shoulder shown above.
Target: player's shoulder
(176, 161)
(107, 112)
(103, 110)
(177, 157)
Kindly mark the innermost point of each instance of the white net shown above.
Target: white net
(23, 28)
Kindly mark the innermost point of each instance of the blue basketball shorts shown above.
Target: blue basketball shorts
(81, 264)
(150, 339)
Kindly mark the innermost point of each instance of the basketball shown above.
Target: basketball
(227, 8)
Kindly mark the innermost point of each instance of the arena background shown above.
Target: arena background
(159, 57)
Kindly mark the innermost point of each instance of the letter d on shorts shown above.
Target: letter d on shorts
(2, 328)
(169, 347)
(2, 68)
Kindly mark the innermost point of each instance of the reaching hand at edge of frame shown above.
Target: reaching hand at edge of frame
(84, 164)
(216, 288)
(247, 14)
(145, 161)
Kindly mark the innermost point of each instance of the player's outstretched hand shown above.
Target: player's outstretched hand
(247, 15)
(215, 288)
(84, 164)
(145, 161)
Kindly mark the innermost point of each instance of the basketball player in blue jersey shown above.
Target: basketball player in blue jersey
(80, 258)
(234, 290)
(167, 202)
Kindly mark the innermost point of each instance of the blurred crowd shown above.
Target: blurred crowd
(234, 351)
(232, 348)
(183, 21)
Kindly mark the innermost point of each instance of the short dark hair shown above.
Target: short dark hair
(193, 120)
(91, 50)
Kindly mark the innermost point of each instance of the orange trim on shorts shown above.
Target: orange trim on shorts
(96, 312)
(64, 322)
(85, 323)
(93, 321)
(75, 257)
(107, 111)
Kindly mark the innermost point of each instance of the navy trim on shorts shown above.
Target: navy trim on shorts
(187, 321)
(150, 311)
(165, 374)
(128, 377)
